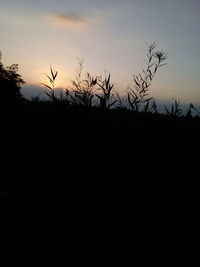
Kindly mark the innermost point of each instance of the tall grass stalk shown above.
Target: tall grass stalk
(51, 87)
(106, 95)
(138, 95)
(175, 110)
(83, 90)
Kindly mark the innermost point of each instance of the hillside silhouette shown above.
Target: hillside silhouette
(97, 184)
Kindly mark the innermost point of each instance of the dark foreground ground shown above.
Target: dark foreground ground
(93, 188)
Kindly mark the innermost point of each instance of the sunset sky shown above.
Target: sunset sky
(110, 35)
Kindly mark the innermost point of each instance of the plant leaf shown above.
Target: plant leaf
(50, 88)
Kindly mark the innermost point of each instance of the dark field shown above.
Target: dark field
(91, 187)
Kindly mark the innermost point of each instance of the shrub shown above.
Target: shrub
(83, 90)
(10, 83)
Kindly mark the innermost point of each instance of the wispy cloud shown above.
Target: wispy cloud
(75, 20)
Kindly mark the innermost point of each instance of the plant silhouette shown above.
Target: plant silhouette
(84, 174)
(10, 83)
(106, 98)
(83, 90)
(139, 94)
(51, 87)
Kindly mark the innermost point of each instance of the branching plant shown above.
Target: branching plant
(83, 90)
(138, 96)
(189, 112)
(121, 101)
(106, 96)
(151, 106)
(175, 110)
(51, 87)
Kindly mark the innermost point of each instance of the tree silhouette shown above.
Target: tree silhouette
(10, 83)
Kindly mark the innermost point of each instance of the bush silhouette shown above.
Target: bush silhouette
(10, 83)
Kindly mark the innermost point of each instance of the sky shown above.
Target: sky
(110, 36)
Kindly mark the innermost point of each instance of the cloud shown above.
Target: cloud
(71, 20)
